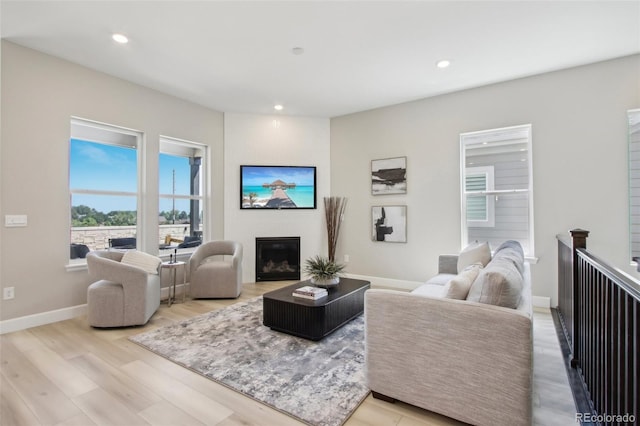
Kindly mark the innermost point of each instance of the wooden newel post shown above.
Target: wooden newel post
(579, 238)
(578, 241)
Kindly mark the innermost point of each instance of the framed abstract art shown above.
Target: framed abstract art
(389, 224)
(389, 176)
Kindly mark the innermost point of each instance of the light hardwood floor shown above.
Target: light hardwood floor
(70, 374)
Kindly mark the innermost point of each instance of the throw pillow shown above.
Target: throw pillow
(458, 287)
(511, 250)
(500, 284)
(474, 253)
(142, 260)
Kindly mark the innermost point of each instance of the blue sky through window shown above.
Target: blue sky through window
(169, 163)
(97, 166)
(103, 167)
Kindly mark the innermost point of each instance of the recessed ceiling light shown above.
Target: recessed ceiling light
(120, 38)
(443, 63)
(297, 50)
(278, 107)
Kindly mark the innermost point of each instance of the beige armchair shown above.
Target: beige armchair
(127, 291)
(216, 270)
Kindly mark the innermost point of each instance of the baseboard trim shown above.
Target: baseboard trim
(35, 320)
(28, 321)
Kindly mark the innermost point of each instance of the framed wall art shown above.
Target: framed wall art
(389, 176)
(389, 224)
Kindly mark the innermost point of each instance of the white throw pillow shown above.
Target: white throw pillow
(474, 253)
(142, 260)
(498, 284)
(458, 287)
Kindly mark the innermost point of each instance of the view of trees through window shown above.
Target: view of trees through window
(180, 186)
(105, 168)
(103, 185)
(87, 216)
(174, 180)
(104, 174)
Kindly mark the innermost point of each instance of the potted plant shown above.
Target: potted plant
(323, 272)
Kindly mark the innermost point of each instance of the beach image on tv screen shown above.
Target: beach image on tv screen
(278, 187)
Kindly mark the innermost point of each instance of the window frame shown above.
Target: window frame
(498, 137)
(109, 134)
(180, 148)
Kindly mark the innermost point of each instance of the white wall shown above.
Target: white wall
(579, 161)
(579, 157)
(39, 95)
(253, 140)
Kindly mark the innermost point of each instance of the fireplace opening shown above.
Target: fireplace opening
(277, 259)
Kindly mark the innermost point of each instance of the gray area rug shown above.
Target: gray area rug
(319, 383)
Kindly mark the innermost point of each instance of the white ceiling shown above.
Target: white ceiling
(235, 56)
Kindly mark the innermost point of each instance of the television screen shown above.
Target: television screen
(277, 187)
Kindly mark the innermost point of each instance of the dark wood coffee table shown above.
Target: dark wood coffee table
(314, 319)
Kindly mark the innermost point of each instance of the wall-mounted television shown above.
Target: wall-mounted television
(277, 187)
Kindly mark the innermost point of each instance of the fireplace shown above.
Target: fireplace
(277, 259)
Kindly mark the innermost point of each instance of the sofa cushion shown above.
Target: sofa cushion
(142, 260)
(458, 287)
(440, 279)
(474, 253)
(431, 290)
(500, 283)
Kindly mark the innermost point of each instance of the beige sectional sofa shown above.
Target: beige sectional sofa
(468, 360)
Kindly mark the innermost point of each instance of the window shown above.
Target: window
(480, 208)
(181, 187)
(104, 164)
(497, 187)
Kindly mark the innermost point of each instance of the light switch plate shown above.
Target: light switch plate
(15, 220)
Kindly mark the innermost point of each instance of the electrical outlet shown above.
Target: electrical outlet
(8, 293)
(346, 258)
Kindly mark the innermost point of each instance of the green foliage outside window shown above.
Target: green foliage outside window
(82, 216)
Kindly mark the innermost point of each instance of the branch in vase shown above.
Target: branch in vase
(334, 208)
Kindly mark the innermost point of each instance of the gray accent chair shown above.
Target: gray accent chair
(216, 270)
(124, 295)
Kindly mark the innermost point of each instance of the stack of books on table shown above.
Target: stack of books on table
(309, 292)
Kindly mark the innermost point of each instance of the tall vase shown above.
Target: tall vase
(334, 208)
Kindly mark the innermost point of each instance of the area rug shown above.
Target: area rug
(319, 383)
